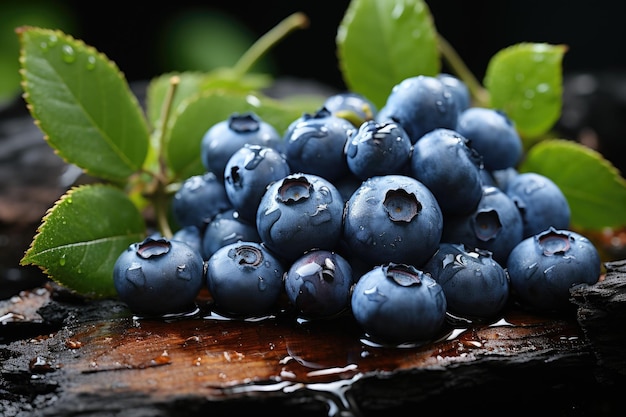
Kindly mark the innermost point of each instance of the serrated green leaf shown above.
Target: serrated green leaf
(380, 43)
(198, 114)
(526, 81)
(81, 237)
(82, 103)
(593, 187)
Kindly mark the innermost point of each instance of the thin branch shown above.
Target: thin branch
(292, 22)
(456, 63)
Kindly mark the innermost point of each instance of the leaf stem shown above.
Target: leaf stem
(165, 114)
(450, 55)
(159, 197)
(292, 22)
(160, 202)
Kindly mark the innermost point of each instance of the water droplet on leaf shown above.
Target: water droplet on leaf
(91, 62)
(68, 54)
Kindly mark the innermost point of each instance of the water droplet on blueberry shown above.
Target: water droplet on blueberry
(134, 275)
(183, 272)
(373, 294)
(262, 284)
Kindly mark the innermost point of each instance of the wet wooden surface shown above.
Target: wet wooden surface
(65, 357)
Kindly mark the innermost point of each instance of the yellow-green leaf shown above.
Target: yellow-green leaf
(526, 81)
(81, 237)
(82, 103)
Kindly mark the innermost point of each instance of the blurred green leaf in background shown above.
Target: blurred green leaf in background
(203, 39)
(17, 13)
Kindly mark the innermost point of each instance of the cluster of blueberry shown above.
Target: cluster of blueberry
(404, 217)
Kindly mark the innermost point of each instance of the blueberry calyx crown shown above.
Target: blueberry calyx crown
(153, 247)
(246, 255)
(401, 206)
(487, 225)
(403, 275)
(244, 123)
(553, 242)
(294, 189)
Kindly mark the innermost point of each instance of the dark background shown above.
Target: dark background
(131, 33)
(141, 40)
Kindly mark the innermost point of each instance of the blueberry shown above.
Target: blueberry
(347, 185)
(420, 104)
(318, 284)
(191, 235)
(244, 280)
(392, 218)
(488, 179)
(248, 173)
(351, 106)
(199, 199)
(544, 267)
(502, 177)
(226, 228)
(157, 277)
(397, 303)
(224, 138)
(314, 143)
(443, 161)
(378, 149)
(493, 135)
(298, 213)
(458, 89)
(541, 202)
(475, 285)
(495, 225)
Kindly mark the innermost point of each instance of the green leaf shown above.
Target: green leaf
(380, 43)
(526, 82)
(81, 237)
(82, 103)
(198, 114)
(228, 78)
(593, 187)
